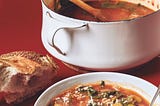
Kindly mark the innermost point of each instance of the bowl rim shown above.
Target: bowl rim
(153, 87)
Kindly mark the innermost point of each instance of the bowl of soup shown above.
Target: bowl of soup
(99, 89)
(129, 37)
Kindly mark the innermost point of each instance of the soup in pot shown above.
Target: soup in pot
(114, 11)
(98, 94)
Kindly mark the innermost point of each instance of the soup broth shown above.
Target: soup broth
(115, 11)
(98, 94)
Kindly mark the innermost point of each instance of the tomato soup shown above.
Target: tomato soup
(115, 11)
(98, 94)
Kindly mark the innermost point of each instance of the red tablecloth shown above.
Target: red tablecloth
(20, 29)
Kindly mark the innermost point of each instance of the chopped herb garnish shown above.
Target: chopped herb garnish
(81, 89)
(92, 92)
(102, 84)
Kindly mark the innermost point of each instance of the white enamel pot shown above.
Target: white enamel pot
(103, 45)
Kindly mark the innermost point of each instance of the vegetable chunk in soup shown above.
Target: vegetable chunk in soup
(98, 94)
(114, 11)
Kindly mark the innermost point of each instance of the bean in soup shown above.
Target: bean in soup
(98, 94)
(115, 11)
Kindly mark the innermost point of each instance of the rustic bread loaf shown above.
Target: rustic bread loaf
(23, 74)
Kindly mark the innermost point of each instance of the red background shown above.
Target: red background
(20, 29)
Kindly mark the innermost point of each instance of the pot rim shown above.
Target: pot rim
(94, 22)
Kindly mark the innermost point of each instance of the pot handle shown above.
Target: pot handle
(52, 44)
